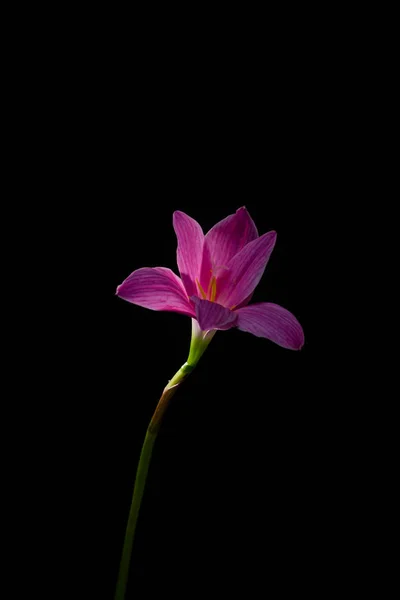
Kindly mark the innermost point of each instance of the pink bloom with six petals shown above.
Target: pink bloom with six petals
(219, 273)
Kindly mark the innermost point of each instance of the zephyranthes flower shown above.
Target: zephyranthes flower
(219, 272)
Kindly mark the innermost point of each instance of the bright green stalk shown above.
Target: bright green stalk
(199, 343)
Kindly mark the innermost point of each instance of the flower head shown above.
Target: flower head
(219, 273)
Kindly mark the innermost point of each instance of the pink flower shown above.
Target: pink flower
(219, 273)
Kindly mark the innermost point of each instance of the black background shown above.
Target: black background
(242, 485)
(260, 481)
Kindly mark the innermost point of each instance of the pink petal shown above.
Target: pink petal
(245, 301)
(273, 322)
(190, 250)
(156, 288)
(245, 270)
(211, 315)
(225, 240)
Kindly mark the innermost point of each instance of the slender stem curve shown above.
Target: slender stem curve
(141, 475)
(199, 343)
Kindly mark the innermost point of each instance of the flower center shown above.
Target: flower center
(212, 289)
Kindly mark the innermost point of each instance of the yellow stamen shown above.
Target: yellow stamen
(209, 287)
(213, 289)
(202, 292)
(232, 307)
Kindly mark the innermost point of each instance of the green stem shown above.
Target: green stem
(141, 475)
(199, 342)
(140, 481)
